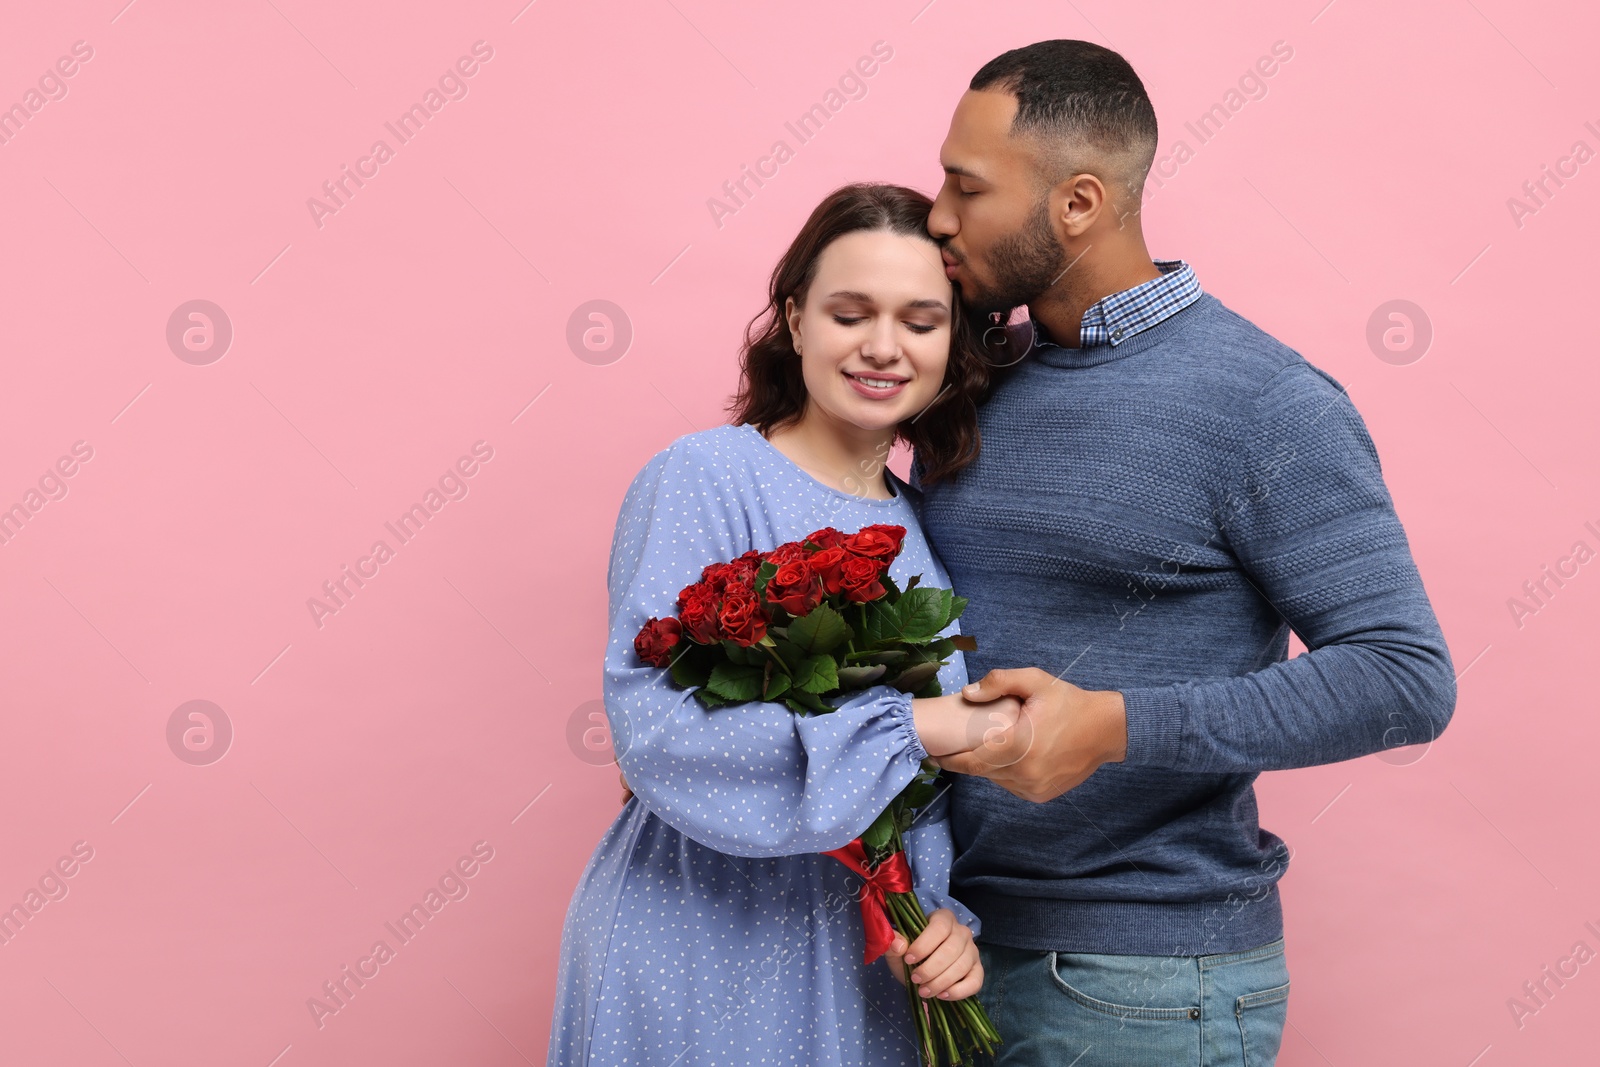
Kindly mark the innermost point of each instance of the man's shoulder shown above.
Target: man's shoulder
(1234, 352)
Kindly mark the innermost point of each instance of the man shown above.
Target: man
(1164, 492)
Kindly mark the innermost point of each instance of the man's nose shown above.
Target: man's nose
(941, 220)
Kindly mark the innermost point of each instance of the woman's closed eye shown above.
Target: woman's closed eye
(914, 327)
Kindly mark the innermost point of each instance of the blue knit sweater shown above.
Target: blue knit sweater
(1155, 517)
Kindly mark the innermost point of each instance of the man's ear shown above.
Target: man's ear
(1077, 203)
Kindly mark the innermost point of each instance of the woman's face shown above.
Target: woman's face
(879, 309)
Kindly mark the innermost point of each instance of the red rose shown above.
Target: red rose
(741, 618)
(787, 553)
(657, 640)
(794, 588)
(692, 592)
(876, 542)
(743, 572)
(860, 580)
(699, 615)
(827, 537)
(827, 565)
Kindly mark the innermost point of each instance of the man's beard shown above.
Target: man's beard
(1025, 264)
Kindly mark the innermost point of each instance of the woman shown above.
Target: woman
(706, 927)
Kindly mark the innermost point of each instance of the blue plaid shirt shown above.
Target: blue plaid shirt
(1115, 318)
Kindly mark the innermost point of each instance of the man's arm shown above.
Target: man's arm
(1314, 529)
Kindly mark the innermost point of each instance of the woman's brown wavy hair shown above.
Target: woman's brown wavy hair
(772, 389)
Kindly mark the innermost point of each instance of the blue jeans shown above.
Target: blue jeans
(1083, 1009)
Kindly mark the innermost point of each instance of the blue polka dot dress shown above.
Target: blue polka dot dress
(706, 929)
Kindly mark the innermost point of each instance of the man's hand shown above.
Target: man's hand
(1062, 736)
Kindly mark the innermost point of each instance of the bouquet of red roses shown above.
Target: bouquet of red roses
(814, 619)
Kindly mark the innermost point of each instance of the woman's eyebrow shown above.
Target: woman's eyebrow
(850, 294)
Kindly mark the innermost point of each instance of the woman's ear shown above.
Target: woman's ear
(792, 315)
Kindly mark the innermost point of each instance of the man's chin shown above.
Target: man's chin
(981, 303)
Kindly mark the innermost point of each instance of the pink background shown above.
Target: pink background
(444, 704)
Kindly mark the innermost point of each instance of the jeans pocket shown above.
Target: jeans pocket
(1262, 1016)
(1093, 980)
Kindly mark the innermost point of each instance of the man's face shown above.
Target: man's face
(990, 217)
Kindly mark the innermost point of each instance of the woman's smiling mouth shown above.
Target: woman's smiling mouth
(877, 388)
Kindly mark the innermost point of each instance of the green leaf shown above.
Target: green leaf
(709, 700)
(737, 653)
(689, 671)
(876, 655)
(777, 685)
(820, 630)
(861, 677)
(692, 662)
(735, 682)
(876, 838)
(787, 650)
(882, 625)
(808, 702)
(958, 604)
(922, 614)
(764, 575)
(817, 674)
(915, 677)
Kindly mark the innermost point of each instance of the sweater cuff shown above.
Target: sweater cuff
(1155, 726)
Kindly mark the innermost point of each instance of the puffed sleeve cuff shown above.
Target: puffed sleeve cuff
(887, 709)
(906, 726)
(1155, 726)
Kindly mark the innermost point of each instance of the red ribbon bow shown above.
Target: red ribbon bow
(893, 875)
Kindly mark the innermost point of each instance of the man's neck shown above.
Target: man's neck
(1061, 310)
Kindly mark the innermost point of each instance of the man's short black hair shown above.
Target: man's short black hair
(1077, 91)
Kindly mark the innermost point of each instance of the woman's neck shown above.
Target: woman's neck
(850, 462)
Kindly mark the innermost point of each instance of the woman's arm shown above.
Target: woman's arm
(752, 779)
(945, 725)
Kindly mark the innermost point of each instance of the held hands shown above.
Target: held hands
(949, 969)
(946, 725)
(1061, 737)
(1028, 732)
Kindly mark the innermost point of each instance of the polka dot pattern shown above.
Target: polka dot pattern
(706, 929)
